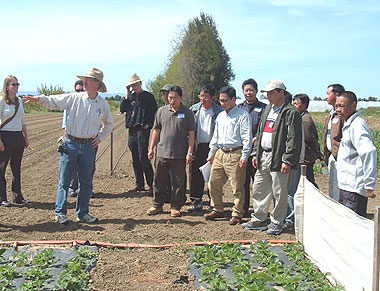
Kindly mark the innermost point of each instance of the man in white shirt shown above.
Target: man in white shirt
(89, 122)
(230, 147)
(357, 159)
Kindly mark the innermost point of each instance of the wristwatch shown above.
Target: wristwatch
(190, 154)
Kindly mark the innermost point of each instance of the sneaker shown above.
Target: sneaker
(87, 219)
(22, 201)
(72, 193)
(274, 229)
(197, 206)
(175, 212)
(61, 219)
(255, 225)
(154, 210)
(5, 203)
(288, 225)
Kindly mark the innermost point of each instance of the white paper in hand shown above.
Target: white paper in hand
(206, 170)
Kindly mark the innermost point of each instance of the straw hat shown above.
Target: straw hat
(134, 79)
(96, 74)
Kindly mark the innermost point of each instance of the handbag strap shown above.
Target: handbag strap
(10, 118)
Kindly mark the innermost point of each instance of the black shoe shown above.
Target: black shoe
(195, 207)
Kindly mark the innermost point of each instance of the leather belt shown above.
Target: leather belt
(80, 140)
(267, 150)
(230, 150)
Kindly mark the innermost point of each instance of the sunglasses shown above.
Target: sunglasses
(15, 84)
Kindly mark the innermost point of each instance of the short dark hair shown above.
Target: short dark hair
(336, 88)
(209, 88)
(177, 89)
(304, 99)
(78, 82)
(351, 97)
(249, 81)
(229, 90)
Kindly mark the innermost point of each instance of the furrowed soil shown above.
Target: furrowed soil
(122, 215)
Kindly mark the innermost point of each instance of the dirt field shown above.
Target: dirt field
(122, 215)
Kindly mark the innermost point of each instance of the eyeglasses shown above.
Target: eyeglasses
(15, 84)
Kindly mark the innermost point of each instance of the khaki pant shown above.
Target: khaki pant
(226, 167)
(269, 184)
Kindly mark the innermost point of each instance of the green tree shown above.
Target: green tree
(198, 58)
(50, 90)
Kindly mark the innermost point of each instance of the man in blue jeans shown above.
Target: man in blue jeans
(89, 122)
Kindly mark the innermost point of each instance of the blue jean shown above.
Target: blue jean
(75, 157)
(295, 175)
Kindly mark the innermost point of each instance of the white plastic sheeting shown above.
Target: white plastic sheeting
(337, 239)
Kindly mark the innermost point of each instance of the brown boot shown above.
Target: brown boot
(213, 214)
(235, 220)
(154, 210)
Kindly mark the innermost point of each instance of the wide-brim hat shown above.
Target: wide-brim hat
(274, 84)
(134, 79)
(96, 74)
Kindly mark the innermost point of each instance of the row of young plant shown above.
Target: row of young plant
(37, 270)
(263, 271)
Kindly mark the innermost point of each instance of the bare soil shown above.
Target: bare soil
(123, 217)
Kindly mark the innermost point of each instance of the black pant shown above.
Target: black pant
(196, 178)
(354, 201)
(14, 144)
(310, 174)
(250, 174)
(177, 168)
(138, 144)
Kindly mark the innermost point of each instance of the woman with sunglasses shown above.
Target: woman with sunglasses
(13, 139)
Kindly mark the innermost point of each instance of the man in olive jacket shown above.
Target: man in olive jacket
(276, 151)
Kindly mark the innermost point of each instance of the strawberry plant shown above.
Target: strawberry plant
(263, 271)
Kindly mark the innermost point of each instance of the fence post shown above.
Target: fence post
(111, 153)
(376, 254)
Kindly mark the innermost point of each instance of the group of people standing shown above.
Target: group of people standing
(244, 143)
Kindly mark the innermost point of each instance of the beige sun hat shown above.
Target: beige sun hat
(96, 74)
(134, 79)
(274, 84)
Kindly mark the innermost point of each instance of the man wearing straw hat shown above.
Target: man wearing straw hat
(139, 107)
(89, 122)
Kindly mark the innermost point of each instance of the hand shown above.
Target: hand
(243, 163)
(210, 159)
(129, 91)
(254, 162)
(188, 159)
(370, 193)
(285, 168)
(2, 147)
(26, 142)
(30, 99)
(95, 142)
(151, 154)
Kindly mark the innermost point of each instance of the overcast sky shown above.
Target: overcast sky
(307, 44)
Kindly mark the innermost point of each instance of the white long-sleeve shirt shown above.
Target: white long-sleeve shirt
(356, 163)
(86, 117)
(232, 129)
